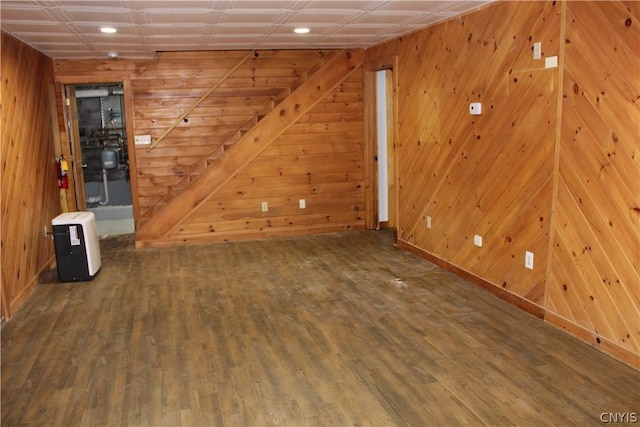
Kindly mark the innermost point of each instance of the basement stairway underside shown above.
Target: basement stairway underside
(201, 181)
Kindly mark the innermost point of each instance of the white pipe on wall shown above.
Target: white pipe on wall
(106, 188)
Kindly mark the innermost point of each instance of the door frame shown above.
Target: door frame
(372, 221)
(75, 150)
(72, 133)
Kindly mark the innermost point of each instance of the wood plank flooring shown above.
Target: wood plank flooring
(329, 330)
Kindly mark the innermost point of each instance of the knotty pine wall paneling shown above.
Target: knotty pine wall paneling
(551, 165)
(30, 194)
(319, 159)
(594, 281)
(491, 174)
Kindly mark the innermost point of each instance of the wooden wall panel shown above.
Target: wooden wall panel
(594, 285)
(489, 175)
(319, 159)
(29, 190)
(551, 166)
(157, 85)
(327, 142)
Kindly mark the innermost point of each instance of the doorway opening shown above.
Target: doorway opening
(102, 140)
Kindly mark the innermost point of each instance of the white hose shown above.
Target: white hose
(106, 188)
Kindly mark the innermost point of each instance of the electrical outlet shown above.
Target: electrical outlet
(475, 108)
(528, 260)
(303, 204)
(477, 240)
(142, 139)
(428, 222)
(551, 62)
(265, 207)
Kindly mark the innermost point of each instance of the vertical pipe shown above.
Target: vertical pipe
(106, 188)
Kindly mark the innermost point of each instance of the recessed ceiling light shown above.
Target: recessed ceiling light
(108, 30)
(112, 55)
(301, 30)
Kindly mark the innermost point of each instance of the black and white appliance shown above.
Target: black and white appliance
(75, 236)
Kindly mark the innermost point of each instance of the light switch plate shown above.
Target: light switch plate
(537, 50)
(142, 139)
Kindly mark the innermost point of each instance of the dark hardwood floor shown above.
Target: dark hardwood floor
(330, 330)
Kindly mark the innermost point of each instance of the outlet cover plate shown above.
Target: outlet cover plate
(477, 240)
(551, 62)
(528, 260)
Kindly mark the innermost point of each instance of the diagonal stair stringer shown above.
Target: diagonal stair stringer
(252, 143)
(200, 165)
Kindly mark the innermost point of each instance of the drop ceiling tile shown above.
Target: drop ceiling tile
(54, 45)
(328, 17)
(238, 29)
(183, 4)
(383, 18)
(9, 4)
(158, 41)
(168, 30)
(245, 18)
(294, 38)
(257, 5)
(218, 24)
(315, 29)
(177, 19)
(40, 38)
(125, 49)
(234, 39)
(96, 39)
(80, 4)
(341, 38)
(415, 6)
(33, 27)
(349, 5)
(69, 54)
(22, 12)
(241, 45)
(168, 16)
(427, 20)
(457, 7)
(93, 29)
(95, 14)
(363, 29)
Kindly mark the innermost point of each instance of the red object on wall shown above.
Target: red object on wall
(63, 179)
